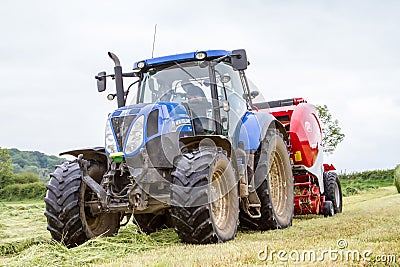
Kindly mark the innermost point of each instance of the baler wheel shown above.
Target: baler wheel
(328, 209)
(333, 190)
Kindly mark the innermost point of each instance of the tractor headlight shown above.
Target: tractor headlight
(141, 64)
(200, 55)
(111, 145)
(135, 137)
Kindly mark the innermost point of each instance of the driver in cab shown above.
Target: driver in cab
(194, 93)
(198, 105)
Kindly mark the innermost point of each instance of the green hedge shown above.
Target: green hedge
(397, 178)
(377, 175)
(361, 181)
(23, 191)
(25, 178)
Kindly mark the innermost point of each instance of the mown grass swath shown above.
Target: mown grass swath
(371, 211)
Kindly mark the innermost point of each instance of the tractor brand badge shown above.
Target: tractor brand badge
(179, 123)
(125, 112)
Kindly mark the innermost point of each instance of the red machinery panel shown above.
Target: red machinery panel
(301, 122)
(305, 132)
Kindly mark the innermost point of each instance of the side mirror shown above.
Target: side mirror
(239, 59)
(254, 94)
(101, 81)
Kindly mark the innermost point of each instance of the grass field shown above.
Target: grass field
(369, 226)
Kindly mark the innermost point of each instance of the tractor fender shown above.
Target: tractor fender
(254, 129)
(218, 140)
(221, 141)
(95, 153)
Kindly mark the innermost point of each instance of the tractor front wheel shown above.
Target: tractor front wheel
(204, 197)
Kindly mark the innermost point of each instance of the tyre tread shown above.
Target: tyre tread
(61, 201)
(190, 214)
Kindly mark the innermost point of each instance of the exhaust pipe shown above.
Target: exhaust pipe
(119, 84)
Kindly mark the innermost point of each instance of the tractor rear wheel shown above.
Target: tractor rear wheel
(333, 190)
(204, 197)
(69, 221)
(275, 185)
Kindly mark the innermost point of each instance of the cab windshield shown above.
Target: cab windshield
(189, 84)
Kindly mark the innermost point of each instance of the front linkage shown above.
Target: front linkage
(130, 197)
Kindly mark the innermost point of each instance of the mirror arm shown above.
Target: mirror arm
(130, 74)
(218, 60)
(104, 76)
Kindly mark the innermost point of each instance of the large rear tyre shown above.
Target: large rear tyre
(69, 221)
(333, 190)
(204, 197)
(274, 183)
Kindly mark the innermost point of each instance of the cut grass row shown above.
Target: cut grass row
(370, 221)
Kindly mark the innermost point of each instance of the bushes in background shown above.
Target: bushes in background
(23, 186)
(360, 181)
(25, 178)
(35, 190)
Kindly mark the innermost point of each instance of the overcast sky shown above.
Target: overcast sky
(344, 54)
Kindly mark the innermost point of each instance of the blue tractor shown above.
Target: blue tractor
(186, 148)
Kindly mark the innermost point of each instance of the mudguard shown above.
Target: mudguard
(217, 140)
(95, 153)
(254, 128)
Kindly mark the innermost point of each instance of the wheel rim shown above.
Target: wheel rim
(277, 183)
(94, 225)
(337, 195)
(219, 199)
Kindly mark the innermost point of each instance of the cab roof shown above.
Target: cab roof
(180, 58)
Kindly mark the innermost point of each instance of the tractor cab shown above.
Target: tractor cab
(205, 83)
(186, 95)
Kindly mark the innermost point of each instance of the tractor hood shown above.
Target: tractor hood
(130, 128)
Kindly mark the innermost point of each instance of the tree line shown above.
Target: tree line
(33, 162)
(23, 174)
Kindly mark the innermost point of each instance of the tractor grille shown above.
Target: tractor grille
(121, 127)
